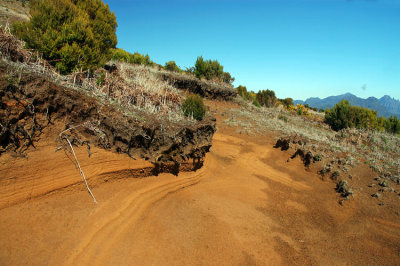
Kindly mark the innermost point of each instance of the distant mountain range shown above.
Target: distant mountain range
(386, 106)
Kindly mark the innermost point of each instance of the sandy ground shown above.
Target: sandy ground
(246, 206)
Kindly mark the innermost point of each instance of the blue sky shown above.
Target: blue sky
(298, 48)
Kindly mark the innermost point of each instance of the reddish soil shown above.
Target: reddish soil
(246, 205)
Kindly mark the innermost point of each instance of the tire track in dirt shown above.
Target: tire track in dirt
(96, 243)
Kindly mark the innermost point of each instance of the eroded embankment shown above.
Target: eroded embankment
(35, 99)
(45, 170)
(38, 115)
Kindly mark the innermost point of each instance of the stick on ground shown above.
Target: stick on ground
(81, 172)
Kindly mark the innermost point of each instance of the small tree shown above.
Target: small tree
(140, 59)
(340, 116)
(171, 66)
(208, 69)
(266, 98)
(287, 102)
(193, 106)
(242, 91)
(227, 78)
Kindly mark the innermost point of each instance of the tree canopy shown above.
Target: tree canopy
(71, 34)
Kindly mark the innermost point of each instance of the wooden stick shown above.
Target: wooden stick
(80, 170)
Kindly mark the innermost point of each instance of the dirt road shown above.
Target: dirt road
(246, 206)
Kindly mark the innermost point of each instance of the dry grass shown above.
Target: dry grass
(133, 89)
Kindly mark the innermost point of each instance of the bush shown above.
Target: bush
(301, 110)
(242, 92)
(208, 68)
(171, 66)
(248, 95)
(392, 125)
(193, 106)
(266, 98)
(140, 59)
(343, 115)
(256, 103)
(135, 58)
(211, 69)
(227, 78)
(70, 34)
(120, 55)
(287, 102)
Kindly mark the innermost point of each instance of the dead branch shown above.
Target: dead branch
(80, 170)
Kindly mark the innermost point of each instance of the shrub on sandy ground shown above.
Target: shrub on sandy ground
(266, 98)
(70, 34)
(171, 66)
(193, 106)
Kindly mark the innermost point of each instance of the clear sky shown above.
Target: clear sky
(298, 48)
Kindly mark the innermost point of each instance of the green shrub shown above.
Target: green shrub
(70, 34)
(392, 125)
(193, 106)
(266, 98)
(119, 54)
(343, 115)
(208, 68)
(256, 103)
(287, 102)
(140, 59)
(171, 66)
(227, 78)
(135, 58)
(242, 92)
(248, 95)
(300, 110)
